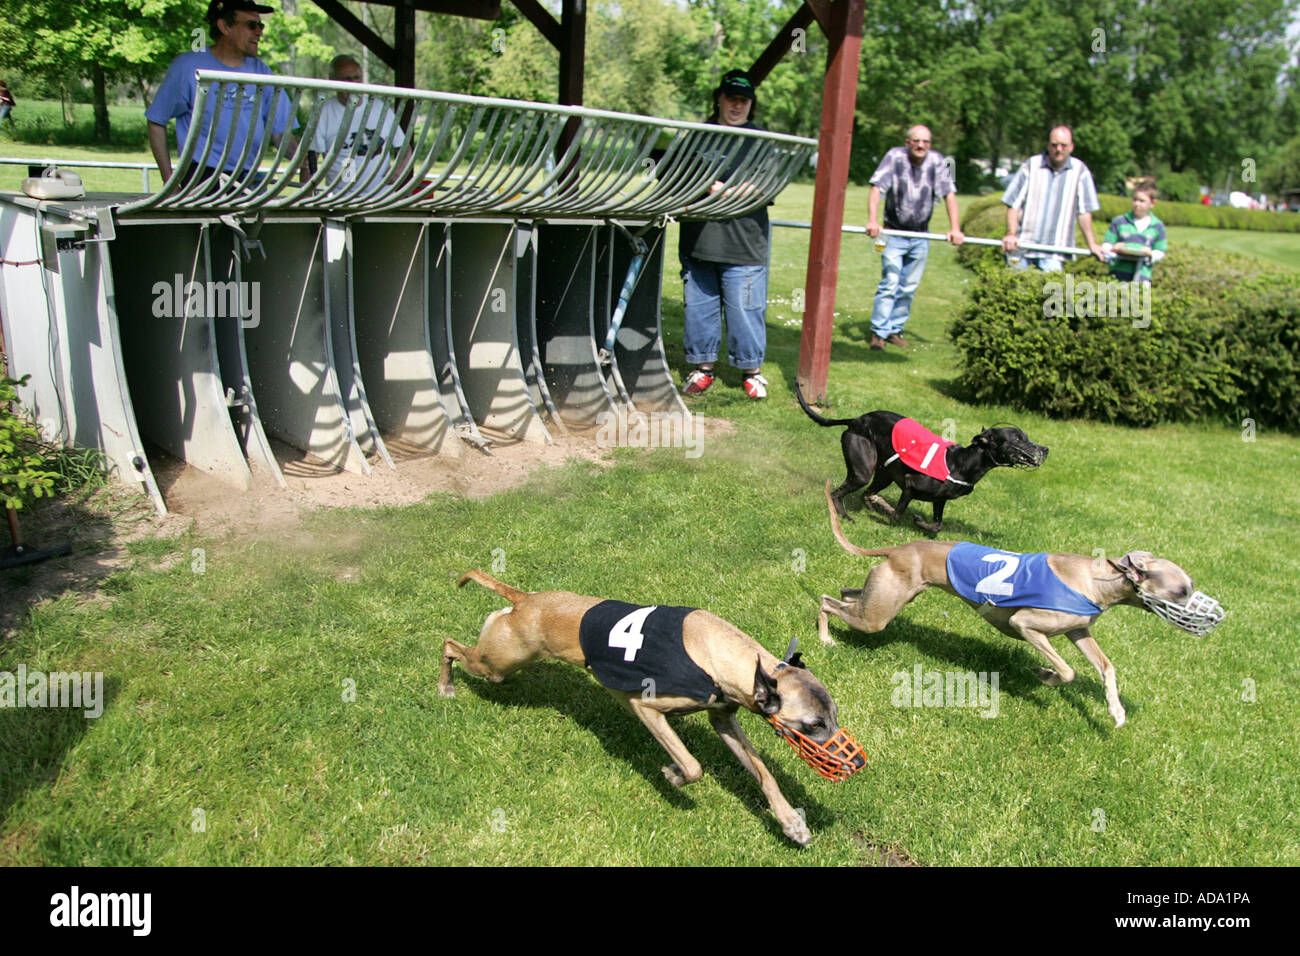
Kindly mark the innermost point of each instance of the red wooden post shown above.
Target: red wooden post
(838, 100)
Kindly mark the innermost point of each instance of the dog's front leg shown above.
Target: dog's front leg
(733, 735)
(685, 768)
(1063, 674)
(934, 526)
(1083, 641)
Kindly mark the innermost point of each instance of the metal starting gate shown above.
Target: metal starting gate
(440, 279)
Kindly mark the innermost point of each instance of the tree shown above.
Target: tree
(96, 40)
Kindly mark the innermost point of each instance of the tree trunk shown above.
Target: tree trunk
(101, 104)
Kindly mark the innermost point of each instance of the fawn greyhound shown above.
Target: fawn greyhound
(1077, 588)
(696, 662)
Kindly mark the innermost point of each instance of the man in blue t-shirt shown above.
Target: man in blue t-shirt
(236, 29)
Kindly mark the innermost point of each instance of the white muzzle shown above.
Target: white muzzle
(1200, 615)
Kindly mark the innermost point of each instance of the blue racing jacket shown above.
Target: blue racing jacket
(1008, 579)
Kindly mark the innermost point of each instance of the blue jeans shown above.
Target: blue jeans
(1041, 263)
(901, 267)
(712, 288)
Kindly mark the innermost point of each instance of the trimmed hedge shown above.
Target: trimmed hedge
(1217, 338)
(987, 217)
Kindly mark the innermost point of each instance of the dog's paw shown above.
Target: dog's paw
(928, 527)
(797, 830)
(879, 504)
(673, 773)
(1121, 718)
(1048, 676)
(446, 690)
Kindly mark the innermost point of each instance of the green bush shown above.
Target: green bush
(22, 468)
(1218, 338)
(1179, 187)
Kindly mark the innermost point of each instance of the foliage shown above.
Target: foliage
(22, 468)
(97, 40)
(1215, 338)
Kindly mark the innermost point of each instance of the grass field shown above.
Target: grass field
(271, 697)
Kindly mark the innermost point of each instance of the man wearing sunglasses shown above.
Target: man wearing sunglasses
(235, 27)
(1050, 192)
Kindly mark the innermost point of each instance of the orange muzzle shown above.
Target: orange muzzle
(837, 759)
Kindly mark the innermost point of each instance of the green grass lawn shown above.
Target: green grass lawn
(1278, 248)
(38, 132)
(275, 702)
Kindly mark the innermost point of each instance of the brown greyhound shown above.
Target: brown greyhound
(1138, 578)
(735, 670)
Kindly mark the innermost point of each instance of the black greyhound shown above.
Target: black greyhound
(869, 457)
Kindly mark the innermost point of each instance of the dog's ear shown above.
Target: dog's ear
(792, 657)
(765, 695)
(1134, 566)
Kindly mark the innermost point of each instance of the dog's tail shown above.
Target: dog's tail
(512, 595)
(825, 422)
(845, 543)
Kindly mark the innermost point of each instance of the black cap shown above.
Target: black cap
(226, 9)
(738, 83)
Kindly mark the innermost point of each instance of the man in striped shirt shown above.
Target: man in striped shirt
(1050, 192)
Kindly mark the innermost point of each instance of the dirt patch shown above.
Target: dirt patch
(15, 846)
(873, 854)
(100, 526)
(415, 475)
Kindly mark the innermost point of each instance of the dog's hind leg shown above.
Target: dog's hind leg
(684, 768)
(500, 651)
(733, 735)
(1083, 641)
(860, 463)
(859, 615)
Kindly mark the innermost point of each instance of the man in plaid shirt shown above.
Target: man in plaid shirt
(912, 177)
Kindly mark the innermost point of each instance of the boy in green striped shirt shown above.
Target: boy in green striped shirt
(1136, 240)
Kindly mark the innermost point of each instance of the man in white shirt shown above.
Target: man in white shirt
(370, 144)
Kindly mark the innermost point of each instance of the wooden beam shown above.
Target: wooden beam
(781, 44)
(573, 58)
(404, 43)
(478, 9)
(366, 36)
(827, 15)
(573, 51)
(541, 18)
(838, 102)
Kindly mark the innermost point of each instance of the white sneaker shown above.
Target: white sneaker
(755, 385)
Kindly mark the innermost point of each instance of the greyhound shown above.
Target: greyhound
(1083, 589)
(716, 667)
(942, 470)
